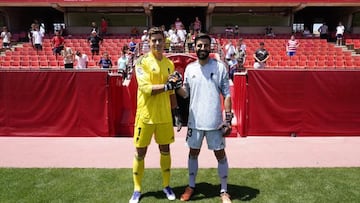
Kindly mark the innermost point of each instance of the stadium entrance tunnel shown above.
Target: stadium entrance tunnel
(167, 16)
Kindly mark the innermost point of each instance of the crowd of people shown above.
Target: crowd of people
(177, 39)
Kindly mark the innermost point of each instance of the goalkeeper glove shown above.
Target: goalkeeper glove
(174, 81)
(225, 126)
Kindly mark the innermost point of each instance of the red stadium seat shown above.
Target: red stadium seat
(302, 64)
(321, 64)
(339, 64)
(311, 64)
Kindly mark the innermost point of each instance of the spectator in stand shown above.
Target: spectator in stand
(214, 46)
(233, 67)
(340, 29)
(182, 37)
(123, 62)
(57, 42)
(175, 42)
(171, 30)
(240, 54)
(190, 40)
(69, 57)
(37, 37)
(82, 60)
(269, 31)
(104, 26)
(30, 34)
(261, 55)
(197, 24)
(178, 24)
(307, 33)
(95, 42)
(63, 31)
(134, 32)
(105, 61)
(229, 31)
(229, 50)
(163, 28)
(6, 38)
(132, 45)
(145, 48)
(94, 27)
(323, 30)
(236, 31)
(291, 46)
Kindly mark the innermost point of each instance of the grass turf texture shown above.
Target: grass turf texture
(245, 185)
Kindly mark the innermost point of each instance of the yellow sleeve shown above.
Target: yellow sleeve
(143, 77)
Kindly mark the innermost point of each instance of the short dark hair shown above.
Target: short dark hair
(156, 30)
(262, 43)
(202, 36)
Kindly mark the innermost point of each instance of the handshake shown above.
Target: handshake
(174, 81)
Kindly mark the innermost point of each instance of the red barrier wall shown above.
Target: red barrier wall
(53, 104)
(265, 102)
(122, 106)
(280, 102)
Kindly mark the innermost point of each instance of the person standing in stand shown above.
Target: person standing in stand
(57, 43)
(261, 55)
(197, 24)
(323, 30)
(291, 46)
(82, 60)
(6, 37)
(340, 29)
(95, 42)
(104, 26)
(69, 57)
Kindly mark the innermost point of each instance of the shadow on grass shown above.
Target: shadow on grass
(209, 191)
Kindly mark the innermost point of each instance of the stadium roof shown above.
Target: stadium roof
(212, 3)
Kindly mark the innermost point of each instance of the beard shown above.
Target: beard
(201, 54)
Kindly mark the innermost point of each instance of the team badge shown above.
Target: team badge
(139, 71)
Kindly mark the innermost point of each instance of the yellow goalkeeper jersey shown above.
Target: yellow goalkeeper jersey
(153, 109)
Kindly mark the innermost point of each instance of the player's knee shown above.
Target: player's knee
(139, 158)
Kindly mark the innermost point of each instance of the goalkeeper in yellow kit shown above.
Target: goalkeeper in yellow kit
(155, 101)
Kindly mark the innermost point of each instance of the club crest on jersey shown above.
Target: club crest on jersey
(139, 71)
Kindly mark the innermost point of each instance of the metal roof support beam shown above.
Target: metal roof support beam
(210, 8)
(57, 7)
(299, 7)
(148, 8)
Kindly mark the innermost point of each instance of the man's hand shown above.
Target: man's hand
(177, 118)
(174, 81)
(225, 126)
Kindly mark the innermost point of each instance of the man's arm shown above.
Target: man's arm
(227, 104)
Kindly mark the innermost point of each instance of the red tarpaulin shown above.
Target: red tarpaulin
(53, 104)
(304, 102)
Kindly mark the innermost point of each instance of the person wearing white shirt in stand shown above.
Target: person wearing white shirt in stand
(37, 37)
(123, 62)
(82, 60)
(6, 37)
(340, 29)
(145, 42)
